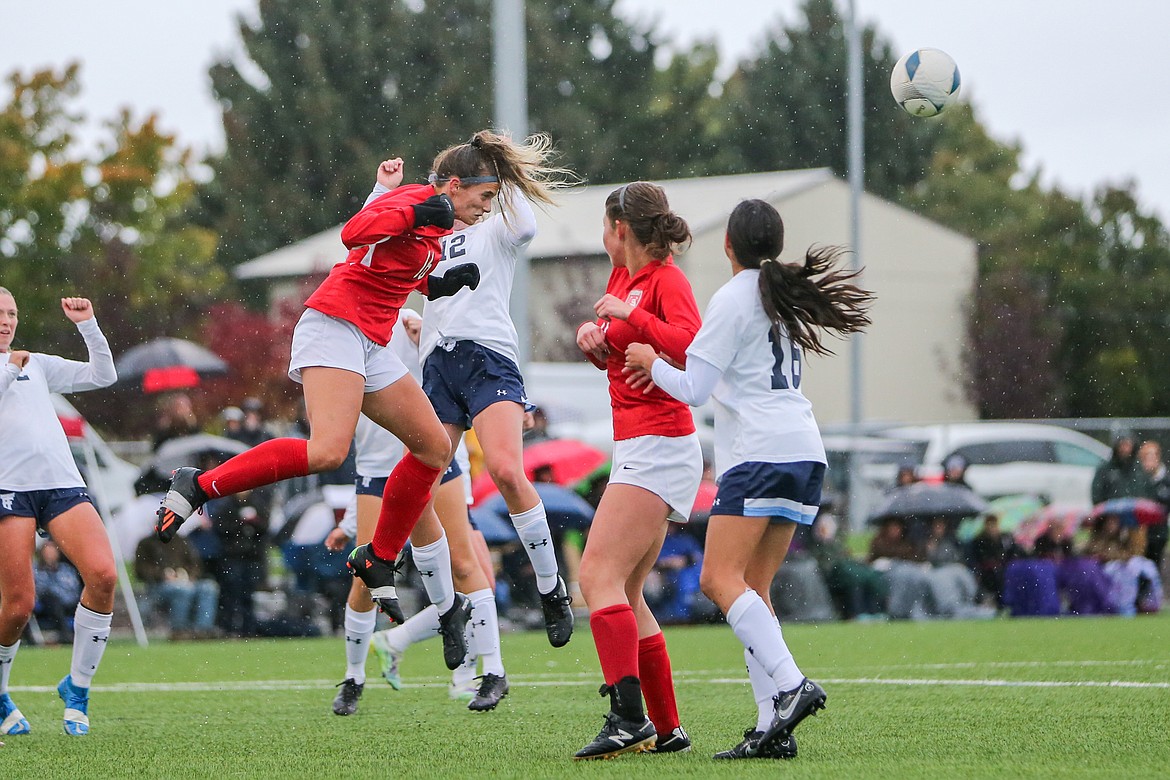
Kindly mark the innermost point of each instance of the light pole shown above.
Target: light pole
(856, 133)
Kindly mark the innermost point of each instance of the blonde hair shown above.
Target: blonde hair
(526, 166)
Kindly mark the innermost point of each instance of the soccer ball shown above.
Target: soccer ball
(925, 82)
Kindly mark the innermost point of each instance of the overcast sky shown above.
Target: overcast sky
(1079, 83)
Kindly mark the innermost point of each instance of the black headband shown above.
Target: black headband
(435, 178)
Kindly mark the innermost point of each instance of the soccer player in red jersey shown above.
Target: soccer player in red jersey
(339, 351)
(657, 465)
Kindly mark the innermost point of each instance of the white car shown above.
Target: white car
(1048, 461)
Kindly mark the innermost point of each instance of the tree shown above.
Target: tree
(109, 224)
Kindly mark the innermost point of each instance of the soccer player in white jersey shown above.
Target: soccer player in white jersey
(41, 489)
(378, 451)
(471, 374)
(769, 457)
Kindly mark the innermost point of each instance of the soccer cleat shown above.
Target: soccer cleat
(346, 701)
(558, 614)
(676, 741)
(462, 690)
(619, 736)
(12, 720)
(492, 688)
(452, 628)
(791, 708)
(785, 747)
(378, 576)
(181, 501)
(388, 658)
(76, 707)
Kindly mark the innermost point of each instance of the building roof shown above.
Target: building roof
(573, 226)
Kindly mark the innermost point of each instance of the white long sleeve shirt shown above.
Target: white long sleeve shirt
(34, 453)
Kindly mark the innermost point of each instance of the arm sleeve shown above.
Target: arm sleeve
(674, 331)
(693, 386)
(378, 191)
(385, 216)
(72, 376)
(348, 524)
(520, 226)
(7, 376)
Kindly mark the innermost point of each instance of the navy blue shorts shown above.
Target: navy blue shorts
(468, 379)
(43, 505)
(782, 491)
(376, 486)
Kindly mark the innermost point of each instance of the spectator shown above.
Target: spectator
(673, 585)
(906, 476)
(173, 574)
(233, 422)
(1158, 489)
(176, 418)
(254, 428)
(537, 431)
(893, 554)
(859, 591)
(58, 589)
(242, 530)
(953, 588)
(1082, 583)
(1120, 476)
(1137, 586)
(990, 551)
(1030, 584)
(955, 470)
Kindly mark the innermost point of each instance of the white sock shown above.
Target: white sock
(532, 528)
(7, 653)
(465, 672)
(417, 628)
(359, 627)
(756, 627)
(433, 562)
(485, 624)
(91, 634)
(763, 688)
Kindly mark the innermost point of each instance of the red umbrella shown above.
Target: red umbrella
(569, 460)
(1131, 511)
(168, 364)
(1065, 518)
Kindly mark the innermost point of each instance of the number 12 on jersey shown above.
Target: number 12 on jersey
(780, 379)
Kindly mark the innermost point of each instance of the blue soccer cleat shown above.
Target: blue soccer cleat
(12, 721)
(76, 704)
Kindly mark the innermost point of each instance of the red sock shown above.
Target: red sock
(264, 464)
(615, 633)
(408, 489)
(657, 683)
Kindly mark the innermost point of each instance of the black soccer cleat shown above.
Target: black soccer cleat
(183, 498)
(619, 736)
(452, 627)
(676, 741)
(791, 708)
(346, 701)
(378, 576)
(492, 688)
(558, 614)
(785, 747)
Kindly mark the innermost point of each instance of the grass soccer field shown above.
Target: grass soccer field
(1003, 698)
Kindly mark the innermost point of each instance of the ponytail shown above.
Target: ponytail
(643, 207)
(806, 298)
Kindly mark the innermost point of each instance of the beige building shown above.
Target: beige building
(923, 274)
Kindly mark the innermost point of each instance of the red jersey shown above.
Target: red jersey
(666, 317)
(388, 259)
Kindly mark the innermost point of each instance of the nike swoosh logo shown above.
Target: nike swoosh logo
(791, 708)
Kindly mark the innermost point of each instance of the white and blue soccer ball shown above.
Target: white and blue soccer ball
(925, 82)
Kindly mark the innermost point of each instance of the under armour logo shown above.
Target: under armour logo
(480, 623)
(427, 573)
(98, 638)
(357, 640)
(541, 543)
(6, 499)
(501, 392)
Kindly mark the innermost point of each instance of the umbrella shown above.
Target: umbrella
(168, 364)
(569, 459)
(1131, 511)
(1011, 511)
(186, 451)
(1065, 518)
(565, 509)
(927, 500)
(495, 530)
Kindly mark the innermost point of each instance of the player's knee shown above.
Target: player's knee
(435, 452)
(102, 581)
(330, 458)
(16, 609)
(508, 476)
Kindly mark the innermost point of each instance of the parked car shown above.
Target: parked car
(109, 478)
(1054, 463)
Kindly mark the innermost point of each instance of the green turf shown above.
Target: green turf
(976, 724)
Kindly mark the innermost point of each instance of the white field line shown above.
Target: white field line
(530, 680)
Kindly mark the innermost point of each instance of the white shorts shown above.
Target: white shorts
(321, 340)
(670, 467)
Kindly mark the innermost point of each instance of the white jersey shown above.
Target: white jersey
(482, 315)
(35, 454)
(378, 450)
(760, 412)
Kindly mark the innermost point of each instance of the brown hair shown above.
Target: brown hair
(527, 166)
(644, 209)
(792, 294)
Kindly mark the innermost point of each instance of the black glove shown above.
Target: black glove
(436, 210)
(456, 278)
